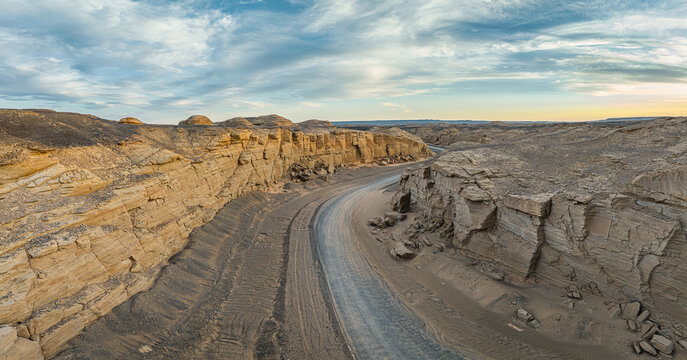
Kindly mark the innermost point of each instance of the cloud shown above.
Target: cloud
(152, 56)
(400, 107)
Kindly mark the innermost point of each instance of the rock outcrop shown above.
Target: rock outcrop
(91, 215)
(196, 120)
(606, 213)
(316, 123)
(130, 121)
(237, 122)
(270, 121)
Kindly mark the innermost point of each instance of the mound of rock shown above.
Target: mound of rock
(130, 121)
(197, 120)
(237, 122)
(316, 123)
(270, 121)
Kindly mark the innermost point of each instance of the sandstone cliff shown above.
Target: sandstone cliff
(607, 212)
(92, 209)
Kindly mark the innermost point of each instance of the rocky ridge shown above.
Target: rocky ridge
(93, 209)
(606, 212)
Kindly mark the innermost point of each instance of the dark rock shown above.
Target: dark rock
(402, 202)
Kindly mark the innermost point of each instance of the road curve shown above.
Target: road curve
(375, 323)
(436, 148)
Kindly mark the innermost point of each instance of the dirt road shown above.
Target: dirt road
(248, 285)
(377, 324)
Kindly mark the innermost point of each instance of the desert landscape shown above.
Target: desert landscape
(261, 238)
(343, 179)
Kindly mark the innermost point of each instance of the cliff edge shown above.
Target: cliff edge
(92, 209)
(606, 213)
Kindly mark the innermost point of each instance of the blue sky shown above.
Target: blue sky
(345, 59)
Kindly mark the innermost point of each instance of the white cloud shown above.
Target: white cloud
(152, 56)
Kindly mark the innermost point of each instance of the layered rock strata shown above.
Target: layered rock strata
(92, 209)
(607, 213)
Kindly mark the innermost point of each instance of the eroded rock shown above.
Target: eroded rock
(574, 211)
(662, 344)
(130, 121)
(401, 251)
(89, 216)
(196, 120)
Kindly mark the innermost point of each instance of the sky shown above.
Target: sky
(162, 61)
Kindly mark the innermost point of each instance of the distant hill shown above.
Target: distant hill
(467, 122)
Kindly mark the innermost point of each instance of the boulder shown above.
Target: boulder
(632, 325)
(401, 202)
(377, 222)
(631, 310)
(635, 346)
(400, 250)
(643, 316)
(8, 335)
(649, 331)
(683, 344)
(395, 216)
(197, 120)
(524, 315)
(130, 121)
(647, 347)
(662, 344)
(573, 292)
(22, 349)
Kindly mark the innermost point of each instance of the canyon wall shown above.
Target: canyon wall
(92, 209)
(607, 213)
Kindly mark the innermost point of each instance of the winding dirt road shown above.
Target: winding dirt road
(250, 285)
(377, 324)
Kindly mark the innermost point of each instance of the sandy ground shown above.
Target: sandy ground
(466, 307)
(255, 282)
(246, 286)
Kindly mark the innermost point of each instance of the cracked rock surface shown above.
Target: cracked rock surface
(605, 211)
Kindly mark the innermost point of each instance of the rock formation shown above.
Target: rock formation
(92, 209)
(315, 123)
(196, 120)
(270, 121)
(607, 212)
(237, 122)
(130, 121)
